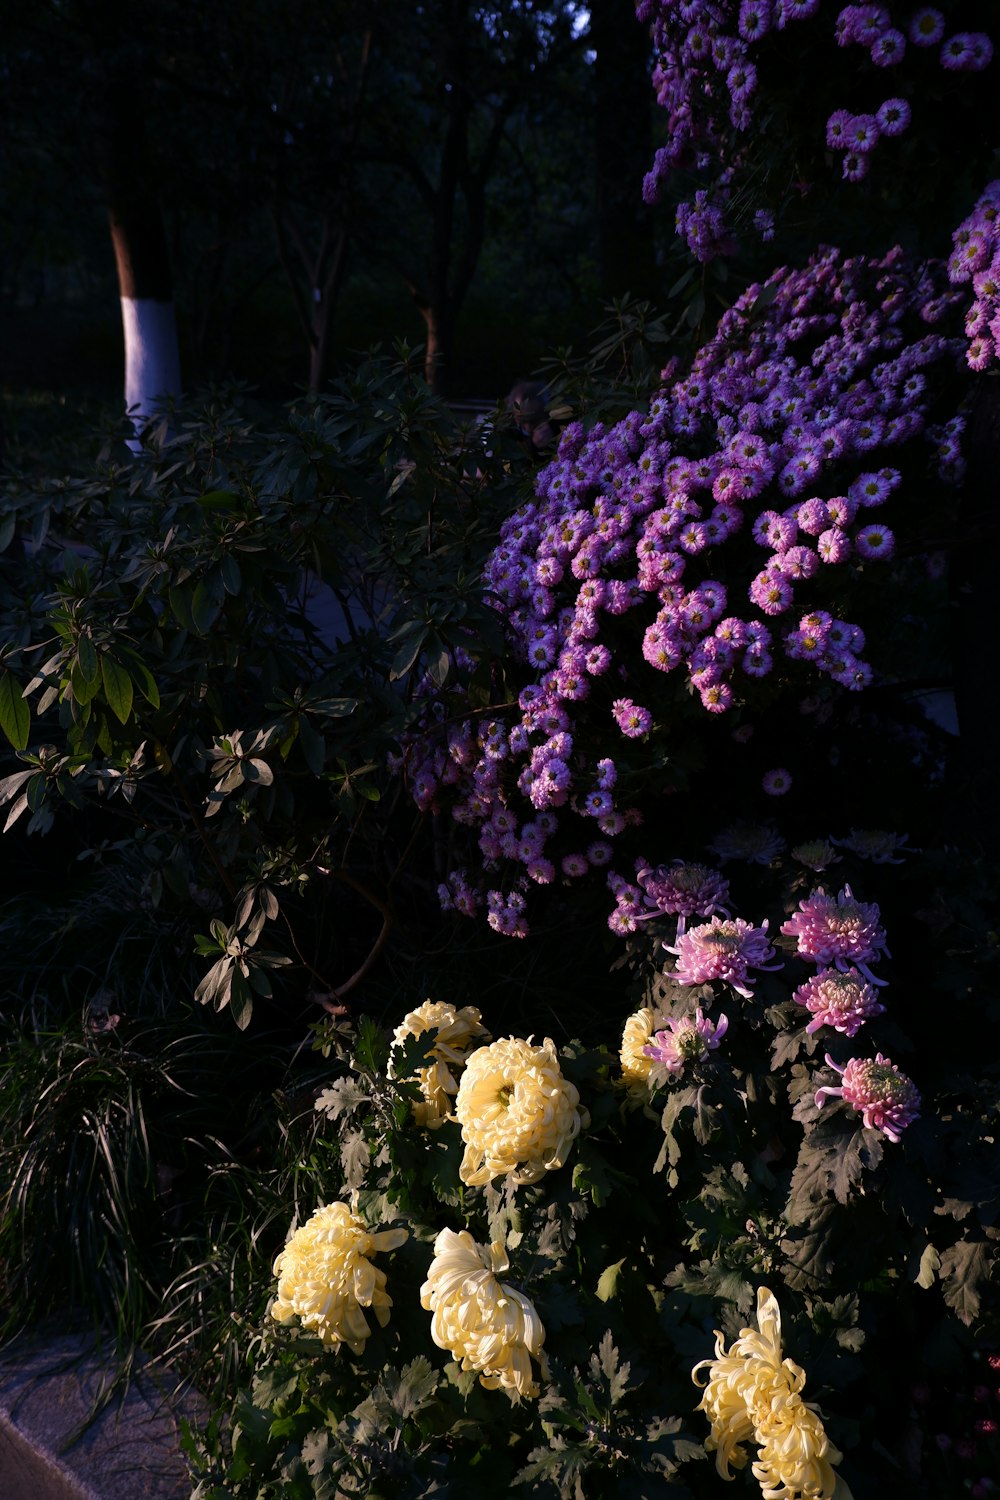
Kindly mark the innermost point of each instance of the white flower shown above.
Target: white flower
(483, 1323)
(325, 1277)
(457, 1032)
(518, 1113)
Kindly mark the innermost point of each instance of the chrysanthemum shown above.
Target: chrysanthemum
(639, 1028)
(325, 1277)
(755, 843)
(690, 1039)
(751, 1393)
(722, 949)
(485, 1324)
(844, 1001)
(884, 1097)
(683, 890)
(458, 1032)
(838, 930)
(517, 1112)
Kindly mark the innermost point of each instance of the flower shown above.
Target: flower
(751, 1392)
(483, 1323)
(844, 1001)
(875, 844)
(690, 1039)
(838, 931)
(325, 1277)
(722, 949)
(776, 782)
(683, 890)
(457, 1031)
(752, 842)
(635, 1061)
(517, 1112)
(816, 854)
(884, 1097)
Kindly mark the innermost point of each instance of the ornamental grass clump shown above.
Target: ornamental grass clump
(518, 1115)
(326, 1278)
(486, 1325)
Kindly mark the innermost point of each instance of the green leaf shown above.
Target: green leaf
(206, 601)
(15, 715)
(86, 656)
(84, 689)
(117, 688)
(965, 1270)
(8, 526)
(607, 1282)
(219, 500)
(407, 654)
(930, 1263)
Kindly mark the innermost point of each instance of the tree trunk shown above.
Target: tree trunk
(623, 150)
(149, 326)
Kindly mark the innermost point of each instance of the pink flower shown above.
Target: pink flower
(722, 949)
(633, 720)
(844, 1001)
(838, 931)
(686, 1040)
(683, 890)
(884, 1097)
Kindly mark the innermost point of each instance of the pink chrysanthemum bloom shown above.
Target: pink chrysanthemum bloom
(844, 1001)
(838, 930)
(690, 1039)
(683, 890)
(722, 949)
(884, 1097)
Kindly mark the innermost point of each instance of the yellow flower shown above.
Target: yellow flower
(325, 1277)
(517, 1112)
(639, 1028)
(483, 1323)
(457, 1032)
(751, 1392)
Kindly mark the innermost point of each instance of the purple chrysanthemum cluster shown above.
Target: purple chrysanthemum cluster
(976, 258)
(765, 465)
(706, 79)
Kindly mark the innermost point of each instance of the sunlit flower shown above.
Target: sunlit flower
(458, 1032)
(518, 1113)
(844, 1001)
(483, 1323)
(690, 1039)
(752, 1394)
(883, 1096)
(639, 1028)
(838, 930)
(722, 949)
(325, 1277)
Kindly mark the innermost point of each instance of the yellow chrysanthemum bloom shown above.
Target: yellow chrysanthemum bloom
(751, 1392)
(325, 1277)
(458, 1031)
(518, 1113)
(639, 1030)
(483, 1323)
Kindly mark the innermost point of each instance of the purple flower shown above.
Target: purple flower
(838, 930)
(683, 890)
(687, 1040)
(884, 1097)
(893, 116)
(776, 782)
(844, 1001)
(724, 948)
(633, 720)
(926, 27)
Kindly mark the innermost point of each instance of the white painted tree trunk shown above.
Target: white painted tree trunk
(152, 359)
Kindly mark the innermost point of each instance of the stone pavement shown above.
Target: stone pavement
(51, 1450)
